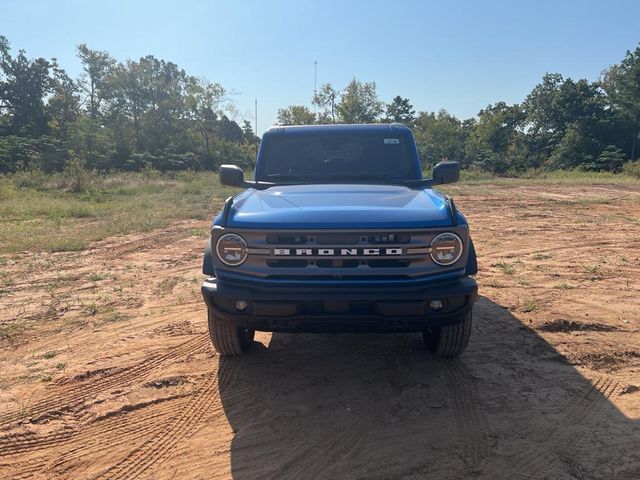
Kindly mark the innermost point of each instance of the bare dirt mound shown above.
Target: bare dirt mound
(107, 370)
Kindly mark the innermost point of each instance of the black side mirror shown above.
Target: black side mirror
(446, 172)
(231, 176)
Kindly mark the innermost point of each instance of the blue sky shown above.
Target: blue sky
(458, 55)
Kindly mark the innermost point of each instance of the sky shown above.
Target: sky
(456, 55)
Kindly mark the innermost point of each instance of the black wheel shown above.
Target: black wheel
(450, 340)
(228, 339)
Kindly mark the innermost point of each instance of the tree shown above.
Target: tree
(494, 143)
(98, 67)
(296, 115)
(401, 111)
(560, 113)
(611, 159)
(205, 102)
(64, 104)
(24, 84)
(248, 136)
(359, 103)
(326, 99)
(439, 136)
(622, 85)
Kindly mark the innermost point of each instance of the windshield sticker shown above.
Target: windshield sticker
(392, 141)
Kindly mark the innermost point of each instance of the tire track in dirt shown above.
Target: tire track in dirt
(543, 460)
(472, 425)
(64, 399)
(348, 443)
(117, 423)
(151, 453)
(146, 423)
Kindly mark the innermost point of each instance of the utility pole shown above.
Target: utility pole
(255, 125)
(315, 85)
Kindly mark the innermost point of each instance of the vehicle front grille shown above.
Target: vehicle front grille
(341, 255)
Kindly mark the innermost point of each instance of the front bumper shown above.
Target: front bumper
(350, 308)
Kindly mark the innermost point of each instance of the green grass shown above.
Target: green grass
(535, 177)
(506, 268)
(38, 213)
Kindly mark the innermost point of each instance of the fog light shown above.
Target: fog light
(436, 305)
(241, 305)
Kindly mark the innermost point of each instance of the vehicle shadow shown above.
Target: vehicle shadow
(380, 407)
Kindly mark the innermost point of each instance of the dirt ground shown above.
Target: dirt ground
(107, 370)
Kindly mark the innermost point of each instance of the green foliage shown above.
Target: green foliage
(632, 169)
(119, 116)
(610, 160)
(296, 115)
(359, 103)
(400, 110)
(76, 177)
(439, 137)
(150, 114)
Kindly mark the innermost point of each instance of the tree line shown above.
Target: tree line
(561, 124)
(115, 115)
(149, 112)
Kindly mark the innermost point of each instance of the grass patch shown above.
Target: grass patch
(96, 277)
(116, 317)
(536, 176)
(506, 268)
(592, 269)
(12, 331)
(563, 286)
(49, 354)
(44, 214)
(529, 306)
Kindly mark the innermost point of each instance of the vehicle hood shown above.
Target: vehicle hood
(339, 206)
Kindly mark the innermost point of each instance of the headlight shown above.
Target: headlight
(446, 248)
(231, 249)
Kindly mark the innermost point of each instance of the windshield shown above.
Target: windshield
(337, 156)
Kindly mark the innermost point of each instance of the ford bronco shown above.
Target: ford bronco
(339, 232)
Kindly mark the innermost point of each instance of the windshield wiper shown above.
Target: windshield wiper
(285, 178)
(364, 177)
(278, 177)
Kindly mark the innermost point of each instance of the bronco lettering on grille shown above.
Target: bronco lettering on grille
(336, 252)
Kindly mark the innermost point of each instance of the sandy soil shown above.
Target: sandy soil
(107, 371)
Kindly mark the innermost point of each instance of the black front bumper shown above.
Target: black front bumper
(340, 309)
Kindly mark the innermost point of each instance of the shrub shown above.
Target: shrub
(75, 177)
(632, 169)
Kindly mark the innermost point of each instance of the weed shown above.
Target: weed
(49, 354)
(563, 286)
(91, 309)
(529, 306)
(593, 268)
(115, 316)
(12, 331)
(45, 378)
(199, 232)
(61, 366)
(96, 277)
(168, 284)
(506, 268)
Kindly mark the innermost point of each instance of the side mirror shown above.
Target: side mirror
(231, 176)
(446, 172)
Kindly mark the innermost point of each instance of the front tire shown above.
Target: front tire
(229, 339)
(449, 340)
